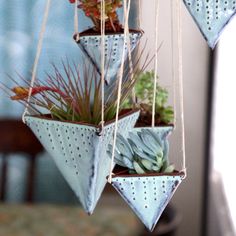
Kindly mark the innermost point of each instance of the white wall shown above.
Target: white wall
(195, 60)
(224, 103)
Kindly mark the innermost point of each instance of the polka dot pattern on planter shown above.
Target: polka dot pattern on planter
(211, 16)
(91, 46)
(80, 153)
(147, 195)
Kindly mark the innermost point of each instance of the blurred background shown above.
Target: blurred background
(203, 205)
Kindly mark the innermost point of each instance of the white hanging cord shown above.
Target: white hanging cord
(128, 43)
(38, 53)
(155, 70)
(139, 13)
(76, 22)
(181, 87)
(131, 70)
(126, 26)
(102, 62)
(174, 82)
(138, 49)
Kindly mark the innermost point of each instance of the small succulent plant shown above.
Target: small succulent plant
(92, 9)
(144, 98)
(143, 152)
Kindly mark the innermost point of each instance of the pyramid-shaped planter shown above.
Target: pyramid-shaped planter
(147, 195)
(80, 153)
(90, 44)
(211, 16)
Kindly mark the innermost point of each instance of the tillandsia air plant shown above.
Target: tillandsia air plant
(92, 9)
(143, 152)
(70, 93)
(144, 98)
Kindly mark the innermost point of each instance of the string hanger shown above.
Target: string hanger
(173, 72)
(76, 22)
(180, 77)
(156, 61)
(175, 4)
(37, 57)
(126, 30)
(102, 64)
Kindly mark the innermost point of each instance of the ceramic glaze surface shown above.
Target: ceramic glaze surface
(91, 46)
(80, 153)
(147, 195)
(211, 16)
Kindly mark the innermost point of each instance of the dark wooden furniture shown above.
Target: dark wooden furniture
(16, 137)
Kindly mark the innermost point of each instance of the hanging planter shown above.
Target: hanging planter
(81, 123)
(90, 44)
(211, 17)
(72, 132)
(90, 41)
(80, 152)
(147, 195)
(150, 181)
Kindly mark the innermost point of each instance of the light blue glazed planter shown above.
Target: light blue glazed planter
(91, 46)
(147, 195)
(80, 153)
(211, 16)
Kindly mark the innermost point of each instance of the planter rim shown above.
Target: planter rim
(127, 175)
(122, 116)
(87, 33)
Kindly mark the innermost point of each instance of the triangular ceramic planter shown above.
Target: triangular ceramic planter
(147, 195)
(211, 16)
(80, 153)
(90, 45)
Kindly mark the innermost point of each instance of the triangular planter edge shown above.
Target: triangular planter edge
(147, 195)
(78, 152)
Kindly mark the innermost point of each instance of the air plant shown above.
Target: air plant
(143, 152)
(92, 9)
(69, 94)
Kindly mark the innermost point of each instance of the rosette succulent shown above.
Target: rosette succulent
(145, 151)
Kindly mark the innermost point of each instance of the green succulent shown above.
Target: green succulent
(144, 97)
(143, 152)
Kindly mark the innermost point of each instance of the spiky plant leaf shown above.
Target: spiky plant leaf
(74, 93)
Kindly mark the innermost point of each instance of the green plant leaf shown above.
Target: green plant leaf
(138, 168)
